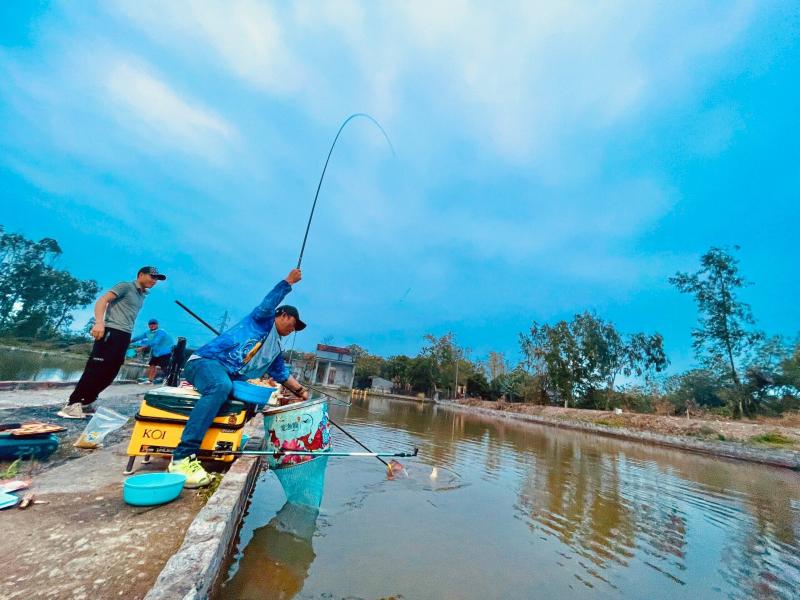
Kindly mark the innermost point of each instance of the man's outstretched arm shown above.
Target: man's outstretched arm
(266, 309)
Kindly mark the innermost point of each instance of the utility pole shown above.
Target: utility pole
(457, 352)
(223, 323)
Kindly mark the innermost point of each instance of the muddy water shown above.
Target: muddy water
(520, 511)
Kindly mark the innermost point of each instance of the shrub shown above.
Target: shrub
(772, 438)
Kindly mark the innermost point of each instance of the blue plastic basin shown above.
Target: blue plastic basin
(149, 489)
(252, 394)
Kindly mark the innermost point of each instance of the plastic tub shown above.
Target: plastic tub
(252, 394)
(150, 489)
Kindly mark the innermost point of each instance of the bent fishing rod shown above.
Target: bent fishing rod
(325, 168)
(334, 423)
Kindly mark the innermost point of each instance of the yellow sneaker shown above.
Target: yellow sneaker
(196, 475)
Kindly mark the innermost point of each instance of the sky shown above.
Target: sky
(549, 158)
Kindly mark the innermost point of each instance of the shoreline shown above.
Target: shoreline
(787, 458)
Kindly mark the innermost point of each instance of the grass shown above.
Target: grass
(772, 438)
(208, 491)
(12, 470)
(608, 423)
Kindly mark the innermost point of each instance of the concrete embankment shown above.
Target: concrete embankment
(690, 442)
(196, 568)
(83, 541)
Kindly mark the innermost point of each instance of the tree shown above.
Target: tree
(554, 352)
(442, 354)
(36, 299)
(579, 358)
(367, 366)
(398, 370)
(698, 387)
(724, 334)
(478, 386)
(770, 381)
(496, 364)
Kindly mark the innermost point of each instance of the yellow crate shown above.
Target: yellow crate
(158, 431)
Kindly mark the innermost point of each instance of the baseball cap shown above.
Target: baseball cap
(292, 312)
(153, 322)
(153, 272)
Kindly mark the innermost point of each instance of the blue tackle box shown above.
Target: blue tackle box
(40, 447)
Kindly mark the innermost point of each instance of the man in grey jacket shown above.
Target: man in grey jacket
(114, 315)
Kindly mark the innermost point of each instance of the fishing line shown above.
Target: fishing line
(325, 168)
(319, 186)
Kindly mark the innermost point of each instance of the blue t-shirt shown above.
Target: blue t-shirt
(159, 342)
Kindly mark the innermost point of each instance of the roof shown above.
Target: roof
(334, 349)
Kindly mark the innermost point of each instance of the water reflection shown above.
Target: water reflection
(32, 365)
(276, 561)
(543, 512)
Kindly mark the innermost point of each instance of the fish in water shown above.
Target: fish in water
(395, 469)
(434, 473)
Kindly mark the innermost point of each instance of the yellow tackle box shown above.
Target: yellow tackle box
(163, 415)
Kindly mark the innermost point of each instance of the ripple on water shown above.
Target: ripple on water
(549, 513)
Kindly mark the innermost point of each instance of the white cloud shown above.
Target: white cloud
(541, 92)
(523, 79)
(244, 36)
(146, 104)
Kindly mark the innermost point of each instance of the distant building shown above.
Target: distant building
(379, 384)
(302, 365)
(335, 366)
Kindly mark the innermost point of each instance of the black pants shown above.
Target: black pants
(108, 354)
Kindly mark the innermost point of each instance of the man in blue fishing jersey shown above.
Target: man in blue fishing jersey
(160, 343)
(249, 349)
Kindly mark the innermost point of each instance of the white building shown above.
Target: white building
(379, 384)
(335, 366)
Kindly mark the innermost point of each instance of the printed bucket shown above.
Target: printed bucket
(302, 426)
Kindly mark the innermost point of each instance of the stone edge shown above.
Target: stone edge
(192, 572)
(788, 459)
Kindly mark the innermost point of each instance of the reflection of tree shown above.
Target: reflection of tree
(275, 563)
(576, 494)
(761, 559)
(616, 505)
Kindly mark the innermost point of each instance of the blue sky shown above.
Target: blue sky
(550, 158)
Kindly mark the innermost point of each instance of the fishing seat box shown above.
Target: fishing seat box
(163, 415)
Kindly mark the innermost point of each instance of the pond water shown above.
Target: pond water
(519, 511)
(34, 365)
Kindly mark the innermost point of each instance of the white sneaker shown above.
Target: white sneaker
(72, 411)
(196, 475)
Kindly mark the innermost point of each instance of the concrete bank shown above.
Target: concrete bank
(731, 450)
(20, 406)
(83, 541)
(197, 567)
(375, 394)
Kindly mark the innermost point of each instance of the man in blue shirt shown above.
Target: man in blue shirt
(249, 349)
(160, 344)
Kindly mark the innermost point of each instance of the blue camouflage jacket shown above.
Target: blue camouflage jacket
(236, 346)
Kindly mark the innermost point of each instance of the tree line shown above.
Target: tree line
(587, 363)
(37, 299)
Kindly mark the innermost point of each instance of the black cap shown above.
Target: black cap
(153, 272)
(292, 312)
